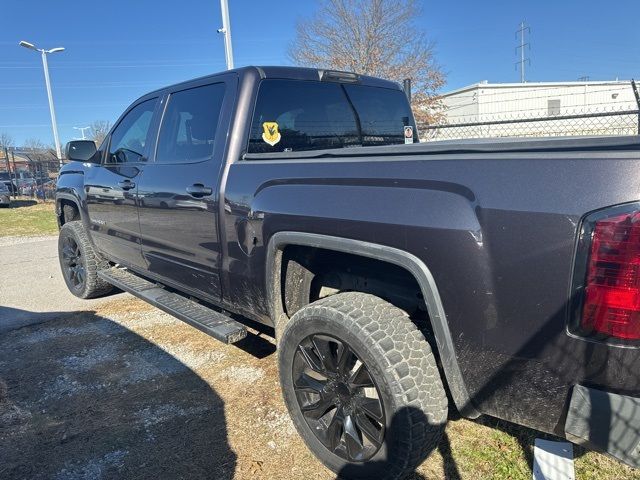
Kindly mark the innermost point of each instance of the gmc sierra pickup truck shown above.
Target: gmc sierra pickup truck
(401, 279)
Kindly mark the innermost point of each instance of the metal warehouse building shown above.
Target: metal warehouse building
(538, 109)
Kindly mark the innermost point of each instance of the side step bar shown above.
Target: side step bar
(211, 322)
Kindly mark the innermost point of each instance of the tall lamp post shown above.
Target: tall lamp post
(226, 31)
(54, 124)
(82, 129)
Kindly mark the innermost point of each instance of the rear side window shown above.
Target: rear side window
(189, 124)
(293, 115)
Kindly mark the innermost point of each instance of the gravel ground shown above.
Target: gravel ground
(118, 389)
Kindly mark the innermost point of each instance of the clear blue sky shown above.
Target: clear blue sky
(124, 48)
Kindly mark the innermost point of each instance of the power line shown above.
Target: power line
(522, 31)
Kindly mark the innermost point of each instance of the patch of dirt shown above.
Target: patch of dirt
(242, 374)
(129, 392)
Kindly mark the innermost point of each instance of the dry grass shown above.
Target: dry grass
(27, 217)
(214, 411)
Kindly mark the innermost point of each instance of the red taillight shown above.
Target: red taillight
(612, 287)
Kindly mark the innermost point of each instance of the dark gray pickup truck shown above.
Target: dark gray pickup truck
(401, 279)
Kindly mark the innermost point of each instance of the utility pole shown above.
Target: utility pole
(6, 157)
(522, 31)
(226, 31)
(15, 170)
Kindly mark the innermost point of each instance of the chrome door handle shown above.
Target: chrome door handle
(198, 190)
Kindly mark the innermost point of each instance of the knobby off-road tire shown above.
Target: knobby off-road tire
(400, 372)
(80, 262)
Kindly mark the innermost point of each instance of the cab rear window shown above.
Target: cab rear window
(293, 115)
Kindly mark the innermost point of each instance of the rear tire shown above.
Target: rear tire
(391, 401)
(80, 262)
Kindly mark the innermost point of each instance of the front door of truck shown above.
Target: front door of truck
(111, 187)
(178, 191)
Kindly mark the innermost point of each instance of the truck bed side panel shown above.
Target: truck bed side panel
(496, 230)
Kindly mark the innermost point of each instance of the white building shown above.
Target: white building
(514, 108)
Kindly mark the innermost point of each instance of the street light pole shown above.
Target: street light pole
(45, 66)
(51, 109)
(226, 31)
(82, 129)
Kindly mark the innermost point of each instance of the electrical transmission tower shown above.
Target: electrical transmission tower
(521, 32)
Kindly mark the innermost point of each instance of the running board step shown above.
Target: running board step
(210, 321)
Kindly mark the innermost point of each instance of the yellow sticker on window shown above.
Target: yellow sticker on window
(270, 133)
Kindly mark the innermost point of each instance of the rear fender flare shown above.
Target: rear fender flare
(409, 262)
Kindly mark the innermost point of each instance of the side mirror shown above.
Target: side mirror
(81, 151)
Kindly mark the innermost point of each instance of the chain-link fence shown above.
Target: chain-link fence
(578, 123)
(29, 172)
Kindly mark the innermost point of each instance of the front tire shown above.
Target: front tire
(362, 386)
(80, 262)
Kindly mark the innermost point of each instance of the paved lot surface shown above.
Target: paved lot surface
(31, 282)
(116, 389)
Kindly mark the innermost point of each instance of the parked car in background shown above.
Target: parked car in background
(5, 195)
(6, 179)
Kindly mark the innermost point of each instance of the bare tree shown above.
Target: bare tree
(38, 150)
(99, 130)
(35, 145)
(6, 140)
(373, 37)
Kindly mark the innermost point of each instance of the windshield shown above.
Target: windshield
(293, 115)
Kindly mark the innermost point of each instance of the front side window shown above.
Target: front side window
(189, 124)
(130, 137)
(293, 115)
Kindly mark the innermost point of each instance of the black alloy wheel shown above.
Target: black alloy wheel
(362, 386)
(79, 262)
(74, 267)
(338, 397)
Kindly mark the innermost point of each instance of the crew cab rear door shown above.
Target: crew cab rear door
(178, 191)
(111, 187)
